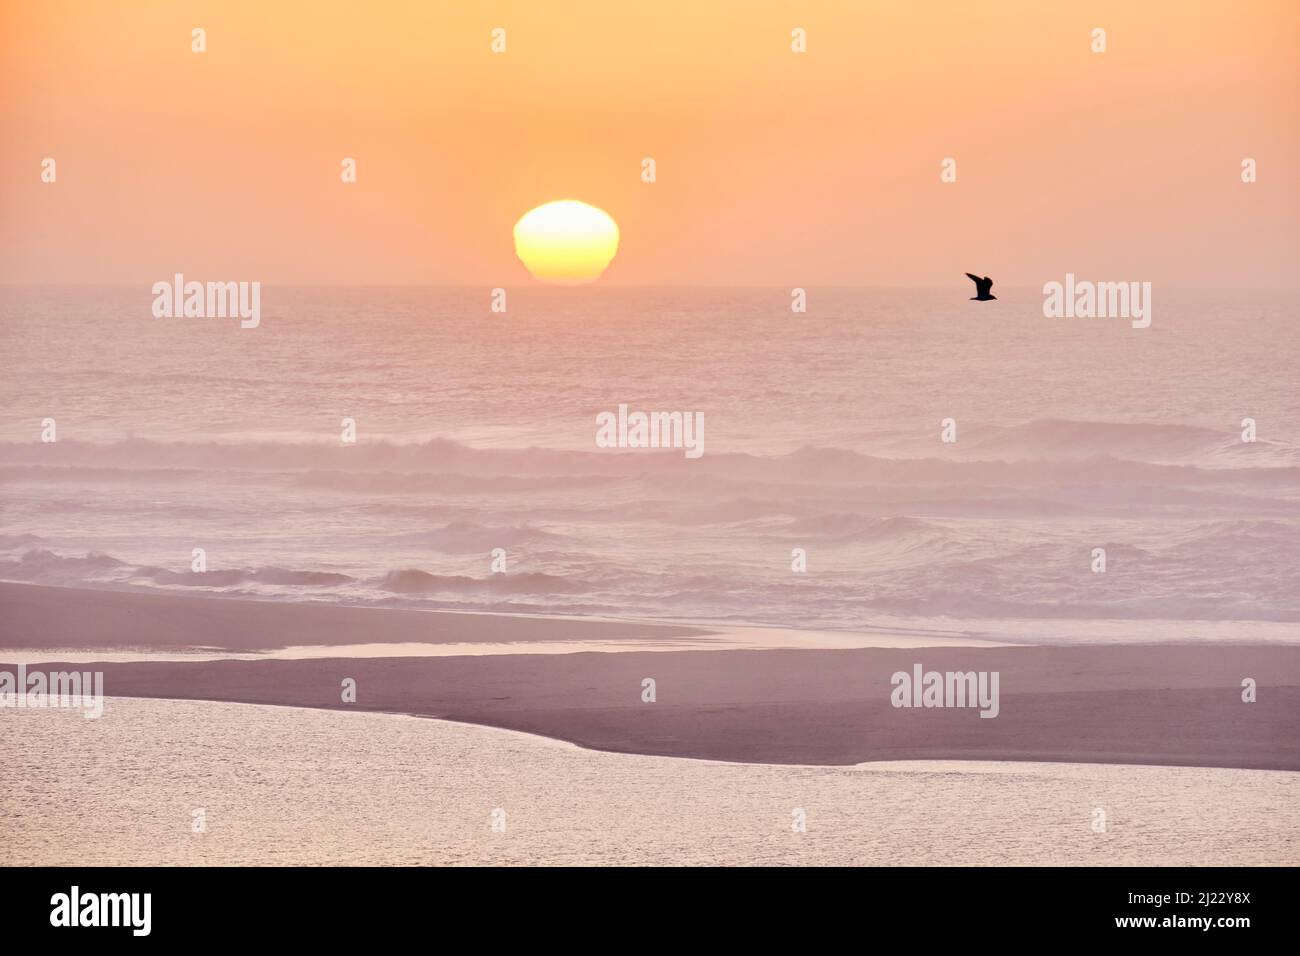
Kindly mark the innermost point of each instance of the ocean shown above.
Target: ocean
(822, 437)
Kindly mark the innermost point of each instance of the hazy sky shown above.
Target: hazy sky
(773, 167)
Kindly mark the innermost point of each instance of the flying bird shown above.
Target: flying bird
(982, 287)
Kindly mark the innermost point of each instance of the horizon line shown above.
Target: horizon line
(124, 284)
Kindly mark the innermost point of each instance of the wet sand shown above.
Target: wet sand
(35, 616)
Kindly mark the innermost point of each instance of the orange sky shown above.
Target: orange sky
(773, 168)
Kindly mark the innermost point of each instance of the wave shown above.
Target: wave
(1267, 545)
(859, 568)
(1058, 438)
(229, 577)
(1061, 439)
(858, 527)
(43, 566)
(436, 456)
(470, 537)
(91, 473)
(397, 483)
(1040, 451)
(414, 581)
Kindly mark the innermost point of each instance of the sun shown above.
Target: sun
(566, 242)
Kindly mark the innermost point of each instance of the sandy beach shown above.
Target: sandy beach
(1174, 705)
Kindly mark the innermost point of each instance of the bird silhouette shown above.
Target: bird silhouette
(982, 287)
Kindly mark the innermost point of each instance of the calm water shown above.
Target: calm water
(477, 432)
(290, 786)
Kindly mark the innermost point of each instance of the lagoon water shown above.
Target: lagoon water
(292, 786)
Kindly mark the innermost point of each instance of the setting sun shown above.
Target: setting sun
(566, 242)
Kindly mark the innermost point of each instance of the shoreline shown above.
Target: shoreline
(1048, 728)
(1148, 704)
(40, 616)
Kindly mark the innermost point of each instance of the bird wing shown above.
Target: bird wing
(974, 278)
